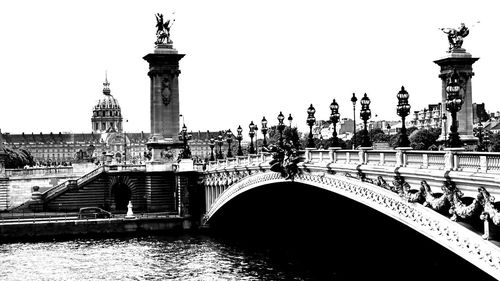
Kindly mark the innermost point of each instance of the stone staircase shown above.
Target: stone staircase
(56, 191)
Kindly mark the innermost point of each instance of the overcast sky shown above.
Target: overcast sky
(244, 59)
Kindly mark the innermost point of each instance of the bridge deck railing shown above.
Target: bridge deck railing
(481, 162)
(39, 171)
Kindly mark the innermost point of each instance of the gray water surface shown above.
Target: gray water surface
(146, 258)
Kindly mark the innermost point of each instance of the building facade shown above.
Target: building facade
(106, 139)
(430, 117)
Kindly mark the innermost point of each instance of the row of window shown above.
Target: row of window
(106, 113)
(104, 127)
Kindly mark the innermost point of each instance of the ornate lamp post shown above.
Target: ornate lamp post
(256, 130)
(186, 153)
(310, 122)
(220, 142)
(486, 141)
(365, 115)
(354, 100)
(212, 145)
(251, 133)
(239, 138)
(264, 130)
(229, 139)
(290, 119)
(479, 133)
(453, 104)
(403, 111)
(281, 127)
(334, 117)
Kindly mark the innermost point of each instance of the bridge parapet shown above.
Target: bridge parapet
(427, 190)
(38, 171)
(484, 162)
(406, 169)
(125, 168)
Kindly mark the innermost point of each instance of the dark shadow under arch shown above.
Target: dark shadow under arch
(341, 238)
(121, 195)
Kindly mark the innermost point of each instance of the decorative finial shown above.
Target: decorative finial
(106, 89)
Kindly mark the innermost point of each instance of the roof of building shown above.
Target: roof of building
(64, 137)
(107, 101)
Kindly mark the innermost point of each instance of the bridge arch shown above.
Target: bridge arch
(449, 234)
(121, 192)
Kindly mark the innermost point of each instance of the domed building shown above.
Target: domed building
(107, 138)
(107, 115)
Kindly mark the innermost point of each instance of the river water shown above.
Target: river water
(282, 233)
(188, 257)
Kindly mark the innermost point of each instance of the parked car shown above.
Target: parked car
(93, 213)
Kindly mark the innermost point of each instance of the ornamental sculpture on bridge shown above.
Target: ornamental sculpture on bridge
(163, 30)
(456, 36)
(285, 159)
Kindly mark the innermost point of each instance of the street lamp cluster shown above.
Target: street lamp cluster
(310, 121)
(334, 117)
(239, 138)
(365, 115)
(264, 130)
(281, 127)
(251, 133)
(403, 111)
(184, 136)
(454, 103)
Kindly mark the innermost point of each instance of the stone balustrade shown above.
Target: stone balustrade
(468, 169)
(454, 160)
(38, 171)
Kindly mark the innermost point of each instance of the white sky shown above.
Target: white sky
(244, 59)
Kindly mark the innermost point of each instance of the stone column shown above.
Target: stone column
(164, 91)
(462, 61)
(164, 97)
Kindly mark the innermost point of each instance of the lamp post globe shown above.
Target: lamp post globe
(403, 109)
(334, 118)
(281, 127)
(251, 133)
(239, 138)
(229, 139)
(454, 103)
(264, 130)
(310, 122)
(354, 99)
(365, 115)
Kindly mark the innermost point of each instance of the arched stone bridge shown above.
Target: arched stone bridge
(428, 191)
